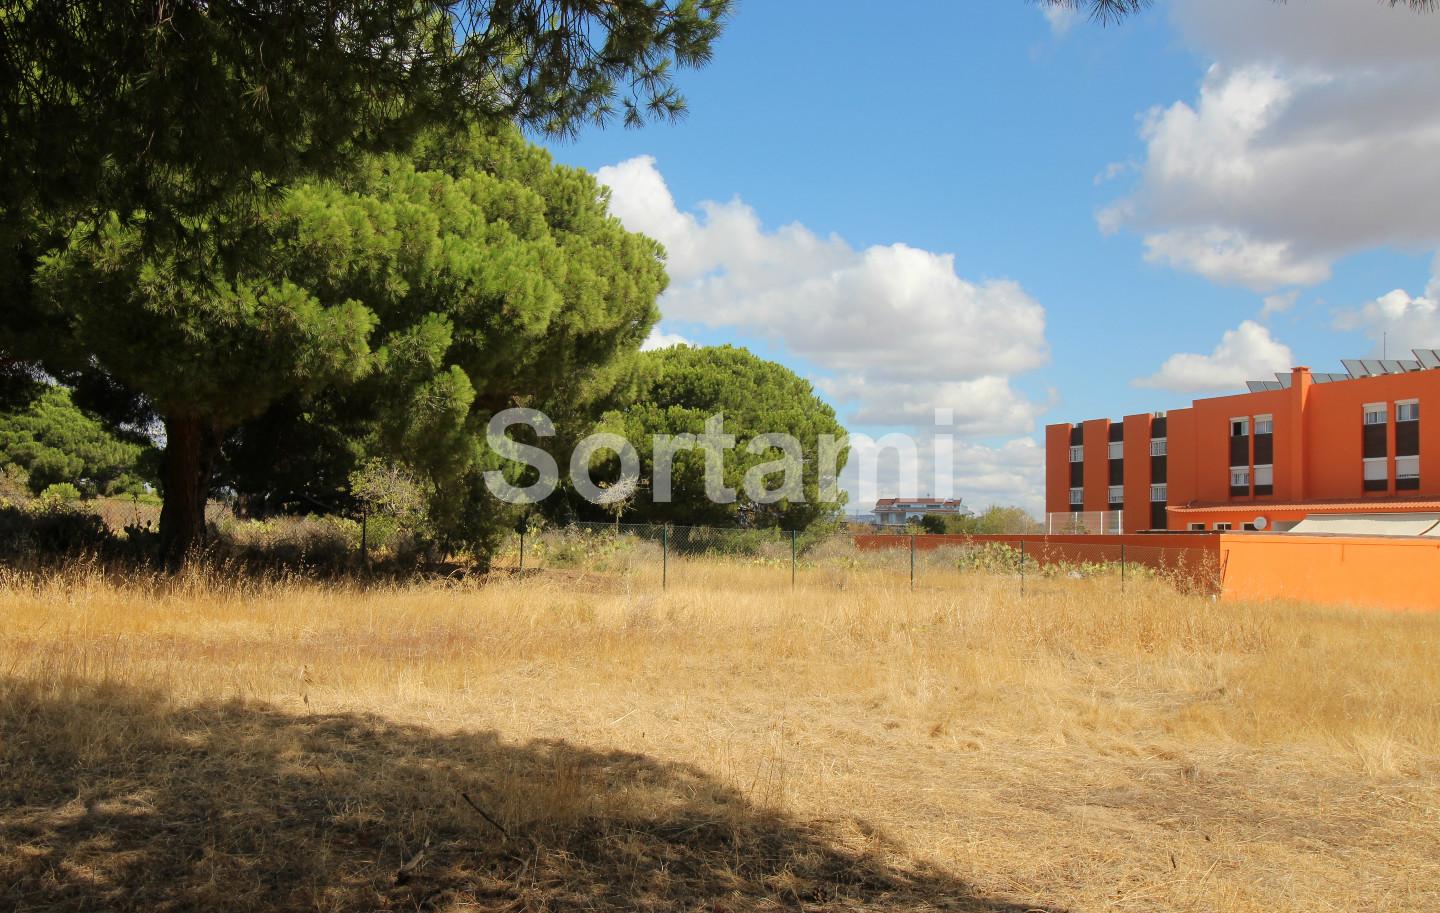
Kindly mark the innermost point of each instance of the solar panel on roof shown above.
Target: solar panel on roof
(1409, 365)
(1356, 367)
(1391, 366)
(1255, 386)
(1283, 380)
(1373, 365)
(1428, 357)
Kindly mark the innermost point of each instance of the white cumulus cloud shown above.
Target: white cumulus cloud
(894, 331)
(1012, 473)
(1247, 352)
(659, 339)
(1233, 258)
(1279, 303)
(1398, 320)
(1315, 134)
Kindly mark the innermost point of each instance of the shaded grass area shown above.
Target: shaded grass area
(220, 741)
(113, 798)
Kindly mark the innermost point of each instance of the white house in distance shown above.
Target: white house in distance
(900, 511)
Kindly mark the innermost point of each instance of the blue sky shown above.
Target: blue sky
(1080, 214)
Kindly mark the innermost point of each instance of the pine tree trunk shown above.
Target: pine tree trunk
(191, 445)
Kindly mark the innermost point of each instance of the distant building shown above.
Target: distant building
(1310, 452)
(900, 511)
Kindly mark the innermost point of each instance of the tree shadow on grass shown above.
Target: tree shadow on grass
(113, 799)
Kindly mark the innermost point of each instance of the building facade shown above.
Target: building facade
(1302, 446)
(900, 511)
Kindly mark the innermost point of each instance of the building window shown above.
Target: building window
(1157, 493)
(1222, 527)
(1249, 528)
(1196, 527)
(1240, 477)
(1077, 454)
(1407, 467)
(1157, 447)
(1239, 427)
(1264, 424)
(1408, 411)
(1375, 413)
(1377, 473)
(1117, 450)
(1117, 494)
(1264, 475)
(1077, 497)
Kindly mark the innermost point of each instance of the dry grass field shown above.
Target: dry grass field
(575, 741)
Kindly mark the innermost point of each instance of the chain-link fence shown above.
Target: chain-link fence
(657, 557)
(664, 557)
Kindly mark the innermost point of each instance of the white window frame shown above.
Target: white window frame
(1374, 464)
(1116, 450)
(1224, 527)
(1077, 496)
(1375, 414)
(1403, 464)
(1162, 490)
(1113, 491)
(1404, 404)
(1264, 424)
(1239, 476)
(1077, 453)
(1159, 446)
(1265, 474)
(1196, 528)
(1243, 422)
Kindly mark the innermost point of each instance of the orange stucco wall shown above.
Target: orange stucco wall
(1368, 572)
(1137, 473)
(1199, 552)
(1360, 571)
(1097, 464)
(1096, 542)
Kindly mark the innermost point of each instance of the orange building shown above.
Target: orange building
(1324, 450)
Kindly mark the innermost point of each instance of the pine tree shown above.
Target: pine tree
(424, 291)
(153, 226)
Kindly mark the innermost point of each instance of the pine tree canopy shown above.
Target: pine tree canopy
(676, 390)
(433, 286)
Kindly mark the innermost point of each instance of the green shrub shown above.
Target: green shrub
(59, 493)
(50, 529)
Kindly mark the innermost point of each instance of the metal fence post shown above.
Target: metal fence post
(522, 551)
(1122, 567)
(794, 550)
(1022, 567)
(664, 557)
(912, 561)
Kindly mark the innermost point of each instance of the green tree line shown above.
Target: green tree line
(322, 217)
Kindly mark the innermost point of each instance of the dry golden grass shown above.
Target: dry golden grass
(726, 745)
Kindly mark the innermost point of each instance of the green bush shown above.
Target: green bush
(59, 493)
(52, 528)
